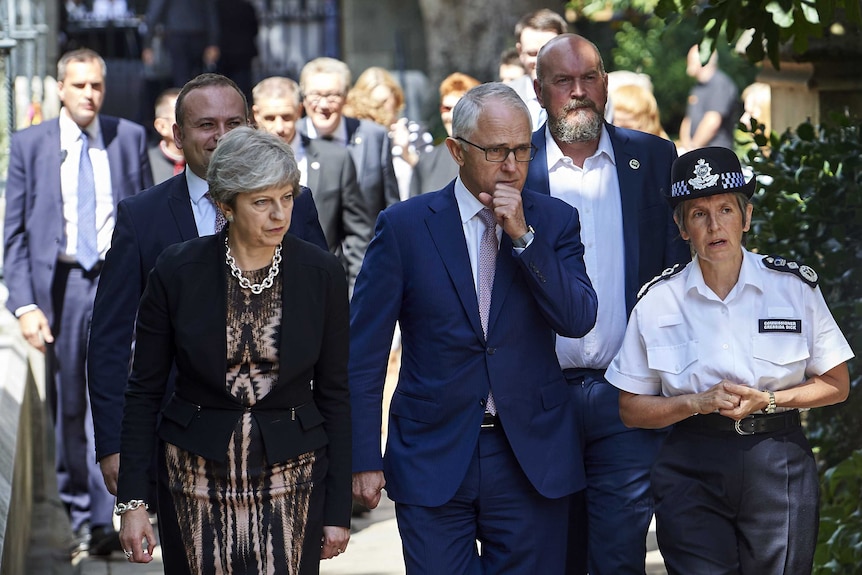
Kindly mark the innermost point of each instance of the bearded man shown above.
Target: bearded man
(615, 178)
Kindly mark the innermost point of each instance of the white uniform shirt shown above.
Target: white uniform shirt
(771, 332)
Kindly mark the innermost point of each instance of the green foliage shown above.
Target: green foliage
(809, 208)
(649, 47)
(839, 544)
(774, 22)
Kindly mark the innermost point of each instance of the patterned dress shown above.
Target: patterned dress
(244, 515)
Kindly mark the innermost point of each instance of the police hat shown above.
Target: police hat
(707, 172)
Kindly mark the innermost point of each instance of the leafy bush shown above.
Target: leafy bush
(839, 546)
(809, 208)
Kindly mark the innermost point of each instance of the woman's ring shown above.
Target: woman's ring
(128, 554)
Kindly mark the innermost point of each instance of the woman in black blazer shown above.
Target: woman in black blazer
(254, 444)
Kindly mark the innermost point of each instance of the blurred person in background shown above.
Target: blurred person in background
(377, 96)
(437, 168)
(166, 159)
(510, 66)
(635, 108)
(712, 111)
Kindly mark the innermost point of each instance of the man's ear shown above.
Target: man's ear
(455, 150)
(178, 136)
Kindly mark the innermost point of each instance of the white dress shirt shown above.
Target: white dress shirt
(338, 135)
(70, 146)
(301, 158)
(594, 191)
(203, 209)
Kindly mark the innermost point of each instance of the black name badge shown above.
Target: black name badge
(779, 325)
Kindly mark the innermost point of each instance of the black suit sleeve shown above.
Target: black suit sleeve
(110, 348)
(304, 221)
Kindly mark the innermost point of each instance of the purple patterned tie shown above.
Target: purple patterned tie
(220, 220)
(487, 266)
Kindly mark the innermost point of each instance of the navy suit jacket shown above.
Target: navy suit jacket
(146, 224)
(652, 241)
(417, 272)
(34, 229)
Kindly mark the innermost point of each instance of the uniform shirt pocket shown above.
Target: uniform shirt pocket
(780, 349)
(672, 359)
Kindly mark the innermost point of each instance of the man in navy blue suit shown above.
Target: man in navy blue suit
(482, 442)
(615, 178)
(171, 212)
(66, 177)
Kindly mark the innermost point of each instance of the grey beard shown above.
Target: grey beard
(584, 128)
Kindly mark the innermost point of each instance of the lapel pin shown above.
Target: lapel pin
(315, 165)
(634, 164)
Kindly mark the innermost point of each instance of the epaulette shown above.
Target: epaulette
(803, 272)
(666, 274)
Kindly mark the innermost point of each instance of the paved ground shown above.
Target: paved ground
(374, 549)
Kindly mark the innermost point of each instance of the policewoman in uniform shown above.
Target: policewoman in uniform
(728, 349)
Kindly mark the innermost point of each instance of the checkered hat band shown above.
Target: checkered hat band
(732, 180)
(729, 180)
(679, 189)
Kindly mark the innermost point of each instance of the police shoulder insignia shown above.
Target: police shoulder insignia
(668, 273)
(803, 272)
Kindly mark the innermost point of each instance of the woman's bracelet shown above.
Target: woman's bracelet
(121, 508)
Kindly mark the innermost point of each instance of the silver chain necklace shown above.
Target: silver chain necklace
(244, 281)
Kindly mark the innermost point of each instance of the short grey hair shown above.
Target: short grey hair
(325, 65)
(679, 210)
(80, 55)
(249, 160)
(276, 87)
(465, 116)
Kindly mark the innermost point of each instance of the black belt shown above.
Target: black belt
(490, 421)
(751, 425)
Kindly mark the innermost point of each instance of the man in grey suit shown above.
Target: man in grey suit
(324, 83)
(66, 177)
(326, 169)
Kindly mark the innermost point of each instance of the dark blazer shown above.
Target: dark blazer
(370, 148)
(340, 207)
(651, 238)
(34, 231)
(417, 272)
(146, 225)
(182, 319)
(433, 171)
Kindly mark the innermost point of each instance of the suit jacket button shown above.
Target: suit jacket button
(492, 350)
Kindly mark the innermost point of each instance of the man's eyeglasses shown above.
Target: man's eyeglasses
(499, 155)
(331, 97)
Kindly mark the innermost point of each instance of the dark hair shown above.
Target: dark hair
(544, 19)
(203, 81)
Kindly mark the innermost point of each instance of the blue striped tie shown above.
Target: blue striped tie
(88, 247)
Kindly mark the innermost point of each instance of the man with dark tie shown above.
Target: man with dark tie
(481, 275)
(66, 177)
(174, 211)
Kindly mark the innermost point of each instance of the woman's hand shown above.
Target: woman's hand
(135, 528)
(721, 398)
(334, 541)
(750, 401)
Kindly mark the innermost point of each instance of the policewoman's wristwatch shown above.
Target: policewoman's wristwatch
(770, 407)
(524, 240)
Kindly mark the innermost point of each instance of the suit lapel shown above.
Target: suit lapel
(355, 147)
(631, 189)
(447, 233)
(108, 126)
(312, 167)
(537, 176)
(180, 205)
